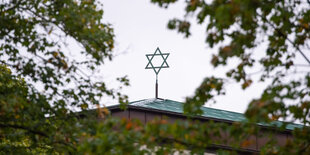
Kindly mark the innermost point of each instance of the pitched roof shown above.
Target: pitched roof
(177, 107)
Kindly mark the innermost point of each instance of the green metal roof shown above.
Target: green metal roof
(177, 107)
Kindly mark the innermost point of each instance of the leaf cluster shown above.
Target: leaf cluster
(280, 30)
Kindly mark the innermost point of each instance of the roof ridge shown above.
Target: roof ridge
(176, 106)
(136, 101)
(210, 108)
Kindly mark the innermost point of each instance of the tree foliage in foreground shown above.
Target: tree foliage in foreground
(46, 82)
(264, 34)
(41, 82)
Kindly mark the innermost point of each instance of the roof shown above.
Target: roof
(174, 106)
(177, 107)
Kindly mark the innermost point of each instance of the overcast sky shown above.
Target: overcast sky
(140, 27)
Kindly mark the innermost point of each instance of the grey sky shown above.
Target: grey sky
(140, 28)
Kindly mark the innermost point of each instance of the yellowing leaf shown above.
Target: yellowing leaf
(17, 116)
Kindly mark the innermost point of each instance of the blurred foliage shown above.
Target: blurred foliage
(41, 82)
(280, 30)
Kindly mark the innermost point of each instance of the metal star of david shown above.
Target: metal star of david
(150, 58)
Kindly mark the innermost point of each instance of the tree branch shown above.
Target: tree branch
(285, 36)
(34, 132)
(24, 128)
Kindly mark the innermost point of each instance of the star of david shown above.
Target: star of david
(150, 58)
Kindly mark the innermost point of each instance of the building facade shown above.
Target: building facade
(150, 109)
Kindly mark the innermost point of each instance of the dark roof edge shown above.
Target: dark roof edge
(195, 117)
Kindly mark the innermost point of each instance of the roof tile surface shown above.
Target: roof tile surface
(177, 107)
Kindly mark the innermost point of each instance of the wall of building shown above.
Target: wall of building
(256, 141)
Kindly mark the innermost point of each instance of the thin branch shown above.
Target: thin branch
(253, 73)
(285, 36)
(34, 132)
(24, 128)
(301, 65)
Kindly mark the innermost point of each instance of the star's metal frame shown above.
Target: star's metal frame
(157, 68)
(150, 58)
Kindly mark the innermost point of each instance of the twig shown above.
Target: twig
(285, 36)
(24, 128)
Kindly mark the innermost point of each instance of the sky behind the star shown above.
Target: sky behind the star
(140, 27)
